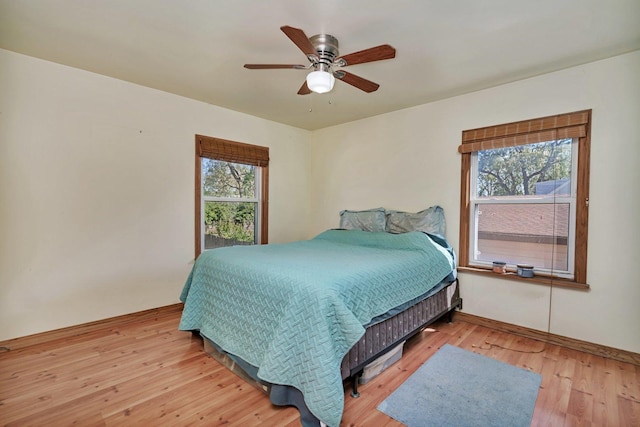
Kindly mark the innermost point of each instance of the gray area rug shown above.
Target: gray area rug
(458, 388)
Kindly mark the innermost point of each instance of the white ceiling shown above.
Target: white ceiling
(197, 48)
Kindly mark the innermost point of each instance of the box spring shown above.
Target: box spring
(385, 335)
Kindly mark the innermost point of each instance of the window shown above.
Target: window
(231, 193)
(231, 203)
(525, 196)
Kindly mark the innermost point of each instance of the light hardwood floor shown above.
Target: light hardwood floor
(143, 371)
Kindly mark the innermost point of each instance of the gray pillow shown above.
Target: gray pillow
(368, 220)
(430, 220)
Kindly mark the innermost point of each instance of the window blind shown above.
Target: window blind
(570, 125)
(232, 151)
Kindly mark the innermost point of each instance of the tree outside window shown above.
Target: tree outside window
(230, 203)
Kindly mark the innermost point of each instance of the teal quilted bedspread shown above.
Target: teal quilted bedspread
(294, 310)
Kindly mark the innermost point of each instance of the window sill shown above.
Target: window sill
(538, 280)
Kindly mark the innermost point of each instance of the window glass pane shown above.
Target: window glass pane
(535, 169)
(532, 225)
(522, 233)
(229, 223)
(225, 179)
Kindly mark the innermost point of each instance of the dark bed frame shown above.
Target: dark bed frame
(383, 337)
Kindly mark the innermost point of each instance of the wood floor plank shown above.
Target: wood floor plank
(580, 405)
(599, 390)
(143, 371)
(629, 412)
(262, 413)
(103, 373)
(159, 383)
(169, 406)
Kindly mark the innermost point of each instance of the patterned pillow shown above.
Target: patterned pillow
(430, 220)
(368, 220)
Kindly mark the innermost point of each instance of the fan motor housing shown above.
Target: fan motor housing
(327, 47)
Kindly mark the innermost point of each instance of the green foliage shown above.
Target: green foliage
(230, 220)
(227, 219)
(224, 179)
(515, 171)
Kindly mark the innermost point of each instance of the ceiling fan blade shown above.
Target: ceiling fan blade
(300, 39)
(304, 89)
(357, 81)
(273, 66)
(377, 53)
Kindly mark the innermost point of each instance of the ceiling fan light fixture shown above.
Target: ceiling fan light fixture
(322, 52)
(320, 81)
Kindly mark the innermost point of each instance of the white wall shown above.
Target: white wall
(408, 160)
(97, 191)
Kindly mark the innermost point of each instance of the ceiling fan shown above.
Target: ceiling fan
(322, 52)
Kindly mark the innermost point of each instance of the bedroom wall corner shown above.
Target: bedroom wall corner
(97, 190)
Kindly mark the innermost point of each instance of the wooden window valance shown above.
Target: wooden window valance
(232, 151)
(570, 125)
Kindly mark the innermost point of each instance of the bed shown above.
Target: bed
(302, 317)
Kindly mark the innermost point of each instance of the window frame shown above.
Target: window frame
(233, 152)
(475, 203)
(575, 125)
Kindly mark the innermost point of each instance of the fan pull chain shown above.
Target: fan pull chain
(330, 102)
